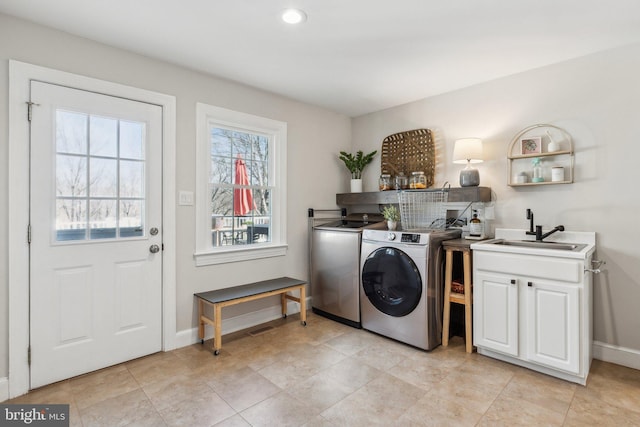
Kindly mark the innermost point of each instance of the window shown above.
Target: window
(99, 177)
(241, 191)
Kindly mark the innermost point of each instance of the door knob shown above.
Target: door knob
(154, 249)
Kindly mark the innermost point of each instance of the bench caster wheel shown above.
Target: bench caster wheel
(304, 323)
(216, 352)
(202, 341)
(284, 316)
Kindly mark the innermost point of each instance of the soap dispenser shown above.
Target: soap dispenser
(537, 170)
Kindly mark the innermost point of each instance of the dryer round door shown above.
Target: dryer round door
(391, 281)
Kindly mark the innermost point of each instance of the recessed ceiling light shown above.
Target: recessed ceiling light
(294, 16)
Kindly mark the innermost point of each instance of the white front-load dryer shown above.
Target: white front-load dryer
(401, 284)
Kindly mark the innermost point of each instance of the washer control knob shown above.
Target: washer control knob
(391, 236)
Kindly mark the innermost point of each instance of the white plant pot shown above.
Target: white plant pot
(356, 185)
(392, 225)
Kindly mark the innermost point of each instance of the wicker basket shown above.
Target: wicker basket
(422, 209)
(407, 152)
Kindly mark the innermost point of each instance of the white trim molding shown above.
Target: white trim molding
(4, 389)
(615, 354)
(20, 76)
(208, 117)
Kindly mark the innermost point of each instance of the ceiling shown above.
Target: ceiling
(350, 56)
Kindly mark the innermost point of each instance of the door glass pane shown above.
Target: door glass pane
(71, 219)
(103, 219)
(131, 179)
(131, 140)
(100, 189)
(71, 132)
(103, 136)
(71, 176)
(131, 218)
(103, 177)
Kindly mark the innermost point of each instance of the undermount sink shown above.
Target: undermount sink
(540, 245)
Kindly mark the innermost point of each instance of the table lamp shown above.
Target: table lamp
(468, 150)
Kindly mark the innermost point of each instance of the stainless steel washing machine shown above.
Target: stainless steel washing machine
(401, 292)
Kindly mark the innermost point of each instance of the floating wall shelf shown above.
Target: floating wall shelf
(463, 194)
(519, 162)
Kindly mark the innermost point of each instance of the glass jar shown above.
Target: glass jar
(418, 180)
(557, 174)
(537, 170)
(384, 183)
(401, 181)
(522, 178)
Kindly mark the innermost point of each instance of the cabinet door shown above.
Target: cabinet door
(553, 325)
(495, 313)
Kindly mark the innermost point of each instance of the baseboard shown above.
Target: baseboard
(4, 389)
(232, 324)
(615, 354)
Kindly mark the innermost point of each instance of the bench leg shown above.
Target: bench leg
(303, 306)
(283, 303)
(201, 322)
(217, 320)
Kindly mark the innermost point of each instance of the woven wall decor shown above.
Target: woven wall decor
(408, 152)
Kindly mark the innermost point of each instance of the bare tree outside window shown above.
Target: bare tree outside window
(228, 148)
(99, 177)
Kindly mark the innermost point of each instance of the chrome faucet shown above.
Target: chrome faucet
(540, 236)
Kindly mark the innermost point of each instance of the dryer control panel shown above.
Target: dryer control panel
(410, 238)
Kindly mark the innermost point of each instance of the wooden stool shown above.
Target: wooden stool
(451, 246)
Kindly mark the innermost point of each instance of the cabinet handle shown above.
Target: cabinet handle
(529, 284)
(513, 281)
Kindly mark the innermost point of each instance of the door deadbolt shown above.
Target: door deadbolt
(154, 249)
(153, 231)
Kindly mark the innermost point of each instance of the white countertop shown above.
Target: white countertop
(587, 238)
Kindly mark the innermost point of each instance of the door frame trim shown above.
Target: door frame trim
(20, 76)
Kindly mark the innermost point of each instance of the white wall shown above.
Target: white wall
(314, 175)
(596, 99)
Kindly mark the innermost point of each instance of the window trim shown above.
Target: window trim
(204, 253)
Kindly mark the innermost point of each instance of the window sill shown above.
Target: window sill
(223, 256)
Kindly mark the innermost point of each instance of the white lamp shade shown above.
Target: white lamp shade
(467, 150)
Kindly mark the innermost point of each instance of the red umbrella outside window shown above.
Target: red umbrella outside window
(242, 197)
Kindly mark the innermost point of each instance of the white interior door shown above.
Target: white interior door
(96, 238)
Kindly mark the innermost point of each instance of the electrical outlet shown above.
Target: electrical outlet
(489, 213)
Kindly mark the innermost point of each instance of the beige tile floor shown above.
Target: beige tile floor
(328, 374)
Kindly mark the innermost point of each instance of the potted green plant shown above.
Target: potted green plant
(392, 215)
(356, 165)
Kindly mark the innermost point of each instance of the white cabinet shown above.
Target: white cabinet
(553, 324)
(534, 311)
(495, 299)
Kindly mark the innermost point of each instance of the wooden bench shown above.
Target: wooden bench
(239, 294)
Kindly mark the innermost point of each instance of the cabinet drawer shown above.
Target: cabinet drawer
(565, 270)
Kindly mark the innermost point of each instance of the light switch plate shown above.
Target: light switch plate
(185, 198)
